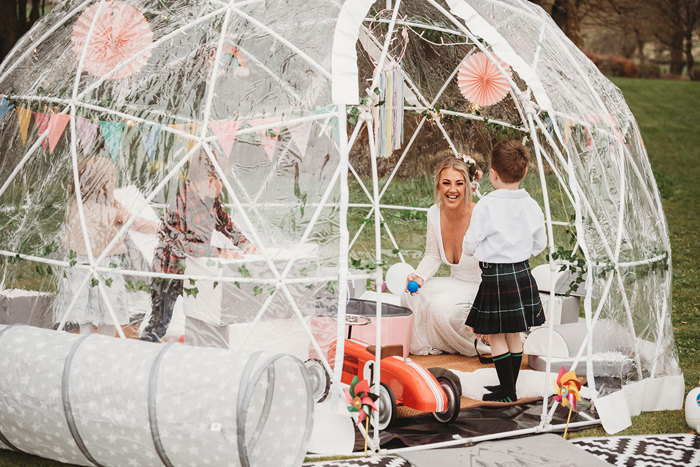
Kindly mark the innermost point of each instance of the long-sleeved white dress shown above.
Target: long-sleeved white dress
(442, 304)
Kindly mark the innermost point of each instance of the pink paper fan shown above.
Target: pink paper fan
(121, 33)
(480, 81)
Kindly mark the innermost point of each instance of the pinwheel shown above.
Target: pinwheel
(567, 388)
(361, 400)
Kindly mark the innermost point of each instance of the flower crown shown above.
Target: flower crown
(471, 164)
(466, 159)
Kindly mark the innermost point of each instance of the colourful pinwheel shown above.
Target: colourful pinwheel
(567, 388)
(360, 399)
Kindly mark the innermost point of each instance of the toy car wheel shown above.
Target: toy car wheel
(386, 404)
(320, 380)
(453, 389)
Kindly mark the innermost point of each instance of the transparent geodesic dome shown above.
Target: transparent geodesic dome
(280, 97)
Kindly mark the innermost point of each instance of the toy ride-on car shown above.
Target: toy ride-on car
(403, 382)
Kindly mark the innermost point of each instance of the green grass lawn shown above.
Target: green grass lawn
(667, 112)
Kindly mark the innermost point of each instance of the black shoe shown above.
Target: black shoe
(515, 360)
(499, 396)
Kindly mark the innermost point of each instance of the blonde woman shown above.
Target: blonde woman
(441, 304)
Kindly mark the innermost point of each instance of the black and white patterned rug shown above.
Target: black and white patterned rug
(645, 450)
(374, 461)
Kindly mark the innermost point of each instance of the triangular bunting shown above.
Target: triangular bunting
(24, 116)
(300, 134)
(87, 129)
(149, 138)
(57, 123)
(269, 135)
(225, 131)
(330, 125)
(190, 128)
(42, 124)
(5, 107)
(112, 133)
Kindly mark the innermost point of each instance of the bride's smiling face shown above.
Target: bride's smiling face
(452, 187)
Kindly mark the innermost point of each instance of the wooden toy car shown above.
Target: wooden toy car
(403, 381)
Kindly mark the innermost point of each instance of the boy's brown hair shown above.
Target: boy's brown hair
(509, 159)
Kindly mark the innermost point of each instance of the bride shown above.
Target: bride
(441, 304)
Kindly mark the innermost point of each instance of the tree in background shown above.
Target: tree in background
(566, 13)
(18, 16)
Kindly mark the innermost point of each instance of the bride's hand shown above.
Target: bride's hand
(413, 277)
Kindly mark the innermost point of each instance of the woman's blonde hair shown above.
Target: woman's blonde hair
(452, 162)
(98, 179)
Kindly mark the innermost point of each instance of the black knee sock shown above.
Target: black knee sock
(505, 376)
(515, 360)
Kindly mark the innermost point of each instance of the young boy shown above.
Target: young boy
(506, 228)
(185, 230)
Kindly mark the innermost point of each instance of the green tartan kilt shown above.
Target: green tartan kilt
(507, 300)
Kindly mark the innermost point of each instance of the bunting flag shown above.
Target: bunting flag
(112, 133)
(57, 123)
(5, 107)
(269, 135)
(42, 124)
(87, 130)
(190, 128)
(24, 116)
(330, 125)
(300, 135)
(149, 138)
(225, 131)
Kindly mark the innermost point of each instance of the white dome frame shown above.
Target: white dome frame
(343, 77)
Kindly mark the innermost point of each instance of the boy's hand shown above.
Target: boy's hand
(413, 277)
(250, 249)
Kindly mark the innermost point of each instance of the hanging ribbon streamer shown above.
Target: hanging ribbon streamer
(112, 133)
(149, 138)
(87, 130)
(388, 117)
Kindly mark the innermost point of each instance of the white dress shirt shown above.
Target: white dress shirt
(507, 226)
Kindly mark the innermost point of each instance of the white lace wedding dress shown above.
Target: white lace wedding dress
(442, 304)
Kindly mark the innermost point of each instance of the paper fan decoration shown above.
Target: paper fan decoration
(121, 34)
(481, 82)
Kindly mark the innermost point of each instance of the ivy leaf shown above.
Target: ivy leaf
(108, 282)
(237, 284)
(257, 290)
(244, 271)
(215, 284)
(94, 282)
